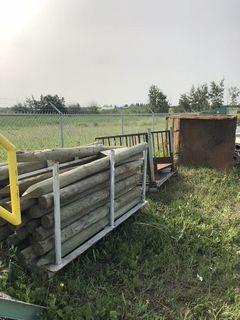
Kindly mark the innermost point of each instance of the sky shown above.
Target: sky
(110, 52)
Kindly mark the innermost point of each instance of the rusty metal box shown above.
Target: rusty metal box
(204, 140)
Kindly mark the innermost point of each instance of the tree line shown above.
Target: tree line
(203, 98)
(207, 98)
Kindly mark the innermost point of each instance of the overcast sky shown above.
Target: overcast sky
(111, 51)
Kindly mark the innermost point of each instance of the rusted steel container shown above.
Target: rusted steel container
(204, 140)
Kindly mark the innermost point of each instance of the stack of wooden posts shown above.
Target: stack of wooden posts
(84, 197)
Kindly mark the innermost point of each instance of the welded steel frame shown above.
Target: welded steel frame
(60, 261)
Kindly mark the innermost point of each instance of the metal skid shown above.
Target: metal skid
(160, 152)
(60, 261)
(18, 310)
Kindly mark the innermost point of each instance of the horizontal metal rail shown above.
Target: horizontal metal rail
(121, 135)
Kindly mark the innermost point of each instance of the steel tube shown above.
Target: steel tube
(122, 122)
(150, 155)
(112, 186)
(57, 217)
(144, 182)
(61, 131)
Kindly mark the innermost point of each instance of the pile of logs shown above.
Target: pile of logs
(84, 197)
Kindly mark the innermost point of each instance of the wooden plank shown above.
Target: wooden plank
(161, 166)
(202, 117)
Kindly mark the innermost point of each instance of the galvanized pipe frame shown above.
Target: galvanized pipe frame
(112, 186)
(60, 261)
(144, 182)
(57, 214)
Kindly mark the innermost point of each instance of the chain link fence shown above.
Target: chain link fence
(38, 131)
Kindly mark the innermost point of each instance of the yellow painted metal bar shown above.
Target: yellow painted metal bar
(13, 217)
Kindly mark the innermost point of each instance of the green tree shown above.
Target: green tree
(20, 108)
(196, 101)
(32, 104)
(199, 98)
(216, 94)
(158, 100)
(74, 108)
(46, 103)
(234, 94)
(93, 108)
(184, 104)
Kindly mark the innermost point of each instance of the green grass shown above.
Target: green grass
(178, 259)
(38, 132)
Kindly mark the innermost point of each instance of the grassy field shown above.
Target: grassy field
(42, 131)
(178, 259)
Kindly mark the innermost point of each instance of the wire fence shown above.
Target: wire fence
(38, 131)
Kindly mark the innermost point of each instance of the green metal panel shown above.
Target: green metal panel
(13, 309)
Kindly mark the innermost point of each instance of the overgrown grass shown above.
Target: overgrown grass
(178, 259)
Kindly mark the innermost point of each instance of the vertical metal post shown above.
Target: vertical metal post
(153, 121)
(61, 131)
(145, 153)
(122, 122)
(112, 186)
(150, 155)
(152, 118)
(61, 141)
(57, 217)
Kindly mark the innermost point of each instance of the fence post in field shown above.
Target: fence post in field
(152, 112)
(61, 139)
(150, 154)
(122, 122)
(152, 121)
(61, 131)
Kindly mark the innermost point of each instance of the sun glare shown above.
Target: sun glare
(15, 15)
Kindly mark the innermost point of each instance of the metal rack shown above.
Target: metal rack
(60, 261)
(15, 216)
